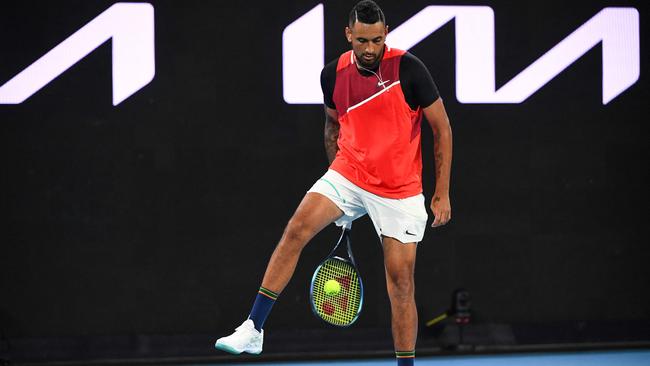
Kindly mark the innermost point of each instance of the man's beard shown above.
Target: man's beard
(372, 64)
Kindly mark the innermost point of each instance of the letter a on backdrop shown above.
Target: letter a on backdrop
(130, 26)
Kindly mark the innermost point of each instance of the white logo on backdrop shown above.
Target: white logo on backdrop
(617, 29)
(131, 28)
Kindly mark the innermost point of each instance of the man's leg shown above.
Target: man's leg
(314, 213)
(399, 261)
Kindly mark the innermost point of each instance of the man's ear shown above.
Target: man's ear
(348, 34)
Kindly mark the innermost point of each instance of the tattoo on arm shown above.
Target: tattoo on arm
(437, 153)
(442, 146)
(331, 136)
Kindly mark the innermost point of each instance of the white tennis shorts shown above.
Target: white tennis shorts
(403, 219)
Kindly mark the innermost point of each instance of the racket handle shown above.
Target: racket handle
(437, 319)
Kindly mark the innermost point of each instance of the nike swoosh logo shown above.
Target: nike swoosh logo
(407, 233)
(382, 83)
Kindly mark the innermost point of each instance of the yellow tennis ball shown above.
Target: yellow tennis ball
(332, 287)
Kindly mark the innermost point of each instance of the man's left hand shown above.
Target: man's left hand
(441, 208)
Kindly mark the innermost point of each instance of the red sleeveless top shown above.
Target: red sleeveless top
(379, 137)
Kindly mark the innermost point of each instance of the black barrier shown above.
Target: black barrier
(156, 216)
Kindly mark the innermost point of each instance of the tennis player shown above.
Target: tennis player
(374, 98)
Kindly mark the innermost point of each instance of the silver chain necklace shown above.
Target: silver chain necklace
(381, 81)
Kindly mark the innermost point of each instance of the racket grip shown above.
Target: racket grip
(437, 319)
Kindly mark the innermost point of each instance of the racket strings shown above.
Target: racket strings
(340, 309)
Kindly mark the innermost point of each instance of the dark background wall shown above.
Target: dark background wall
(157, 216)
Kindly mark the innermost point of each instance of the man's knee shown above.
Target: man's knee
(401, 286)
(297, 232)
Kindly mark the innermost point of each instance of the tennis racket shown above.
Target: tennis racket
(340, 308)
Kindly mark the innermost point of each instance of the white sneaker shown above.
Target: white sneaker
(245, 339)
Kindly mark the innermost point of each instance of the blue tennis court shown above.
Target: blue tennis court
(592, 358)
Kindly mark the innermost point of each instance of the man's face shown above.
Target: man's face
(367, 42)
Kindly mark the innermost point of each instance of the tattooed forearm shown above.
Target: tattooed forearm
(437, 153)
(331, 136)
(442, 155)
(442, 146)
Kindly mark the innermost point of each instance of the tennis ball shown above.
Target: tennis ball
(332, 287)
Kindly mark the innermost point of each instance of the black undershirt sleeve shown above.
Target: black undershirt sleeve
(417, 84)
(327, 81)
